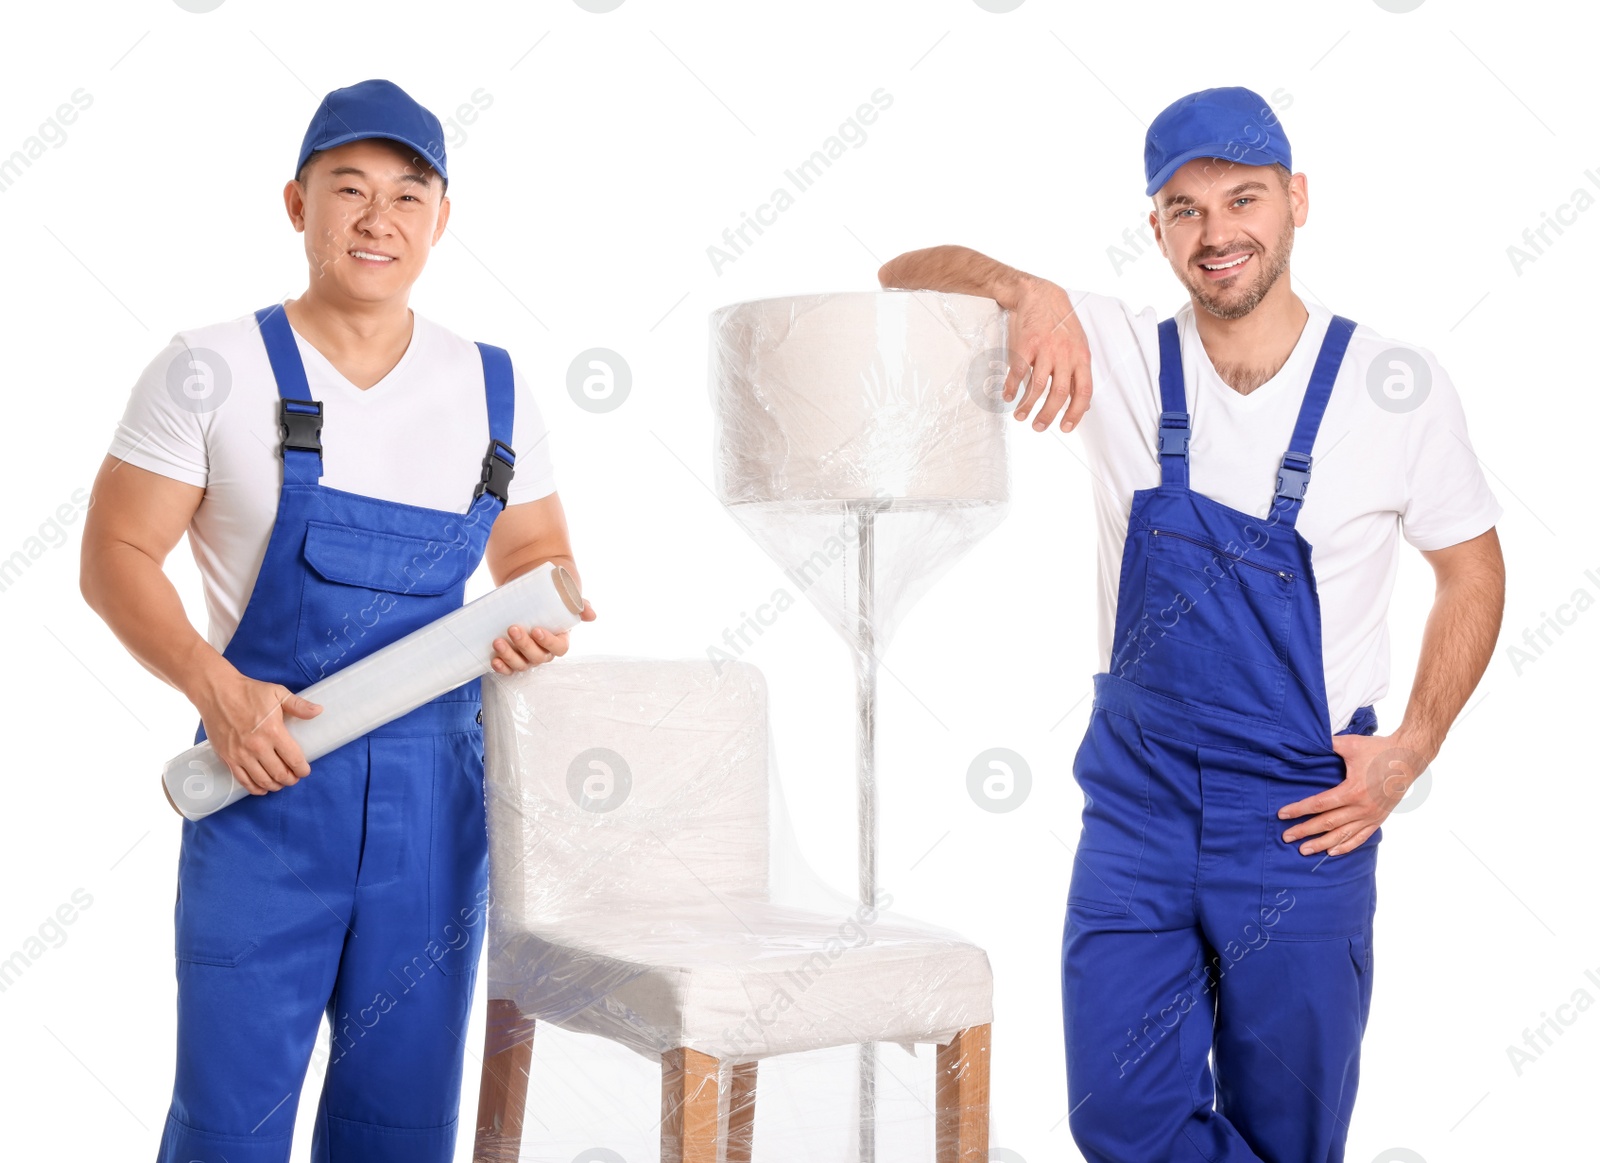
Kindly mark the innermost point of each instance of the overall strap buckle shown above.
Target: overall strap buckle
(1172, 437)
(300, 426)
(1294, 474)
(498, 468)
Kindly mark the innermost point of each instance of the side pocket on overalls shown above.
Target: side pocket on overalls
(458, 855)
(216, 918)
(1361, 953)
(1114, 775)
(1320, 896)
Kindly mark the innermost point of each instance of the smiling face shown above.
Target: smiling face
(370, 214)
(1227, 230)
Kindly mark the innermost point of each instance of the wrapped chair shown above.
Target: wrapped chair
(634, 896)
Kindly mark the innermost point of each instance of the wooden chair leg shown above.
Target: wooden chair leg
(507, 1052)
(963, 1098)
(742, 1113)
(688, 1107)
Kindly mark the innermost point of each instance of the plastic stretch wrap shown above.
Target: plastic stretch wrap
(857, 417)
(387, 683)
(654, 934)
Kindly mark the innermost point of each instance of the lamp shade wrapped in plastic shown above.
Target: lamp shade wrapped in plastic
(879, 405)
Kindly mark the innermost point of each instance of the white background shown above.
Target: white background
(616, 148)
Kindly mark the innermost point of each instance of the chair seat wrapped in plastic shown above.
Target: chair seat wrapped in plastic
(645, 888)
(688, 980)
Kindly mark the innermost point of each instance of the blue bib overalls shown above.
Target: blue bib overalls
(360, 890)
(1192, 929)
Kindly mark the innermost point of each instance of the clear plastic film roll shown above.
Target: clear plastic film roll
(666, 974)
(388, 683)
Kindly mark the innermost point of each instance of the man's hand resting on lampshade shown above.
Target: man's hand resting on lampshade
(1043, 334)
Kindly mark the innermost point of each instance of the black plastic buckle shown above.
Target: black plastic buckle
(498, 469)
(1293, 479)
(300, 430)
(1172, 437)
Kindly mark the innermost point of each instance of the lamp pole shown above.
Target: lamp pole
(866, 513)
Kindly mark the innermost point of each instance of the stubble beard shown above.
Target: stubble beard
(1232, 304)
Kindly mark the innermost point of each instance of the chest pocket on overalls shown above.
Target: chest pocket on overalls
(365, 589)
(1218, 626)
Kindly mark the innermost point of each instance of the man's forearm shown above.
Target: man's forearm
(1457, 644)
(137, 600)
(956, 269)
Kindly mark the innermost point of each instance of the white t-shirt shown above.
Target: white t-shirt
(1385, 464)
(416, 436)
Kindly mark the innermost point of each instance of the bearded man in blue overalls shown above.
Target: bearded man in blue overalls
(1217, 954)
(353, 887)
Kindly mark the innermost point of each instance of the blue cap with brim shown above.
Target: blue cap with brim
(375, 109)
(1233, 124)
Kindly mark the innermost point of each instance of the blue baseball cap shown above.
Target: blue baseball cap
(374, 109)
(1233, 124)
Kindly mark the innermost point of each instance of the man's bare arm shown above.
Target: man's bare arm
(1456, 645)
(135, 518)
(1045, 333)
(957, 269)
(523, 537)
(1458, 640)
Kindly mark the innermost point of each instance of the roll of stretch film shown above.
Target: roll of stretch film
(390, 682)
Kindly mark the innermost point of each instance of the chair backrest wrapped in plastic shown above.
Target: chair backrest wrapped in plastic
(626, 781)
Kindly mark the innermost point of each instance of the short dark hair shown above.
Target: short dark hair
(420, 162)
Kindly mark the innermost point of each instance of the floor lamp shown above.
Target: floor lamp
(860, 441)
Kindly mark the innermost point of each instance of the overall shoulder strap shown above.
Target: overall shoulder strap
(1294, 472)
(1172, 432)
(499, 387)
(299, 416)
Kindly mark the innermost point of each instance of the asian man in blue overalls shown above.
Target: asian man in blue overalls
(1255, 461)
(355, 886)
